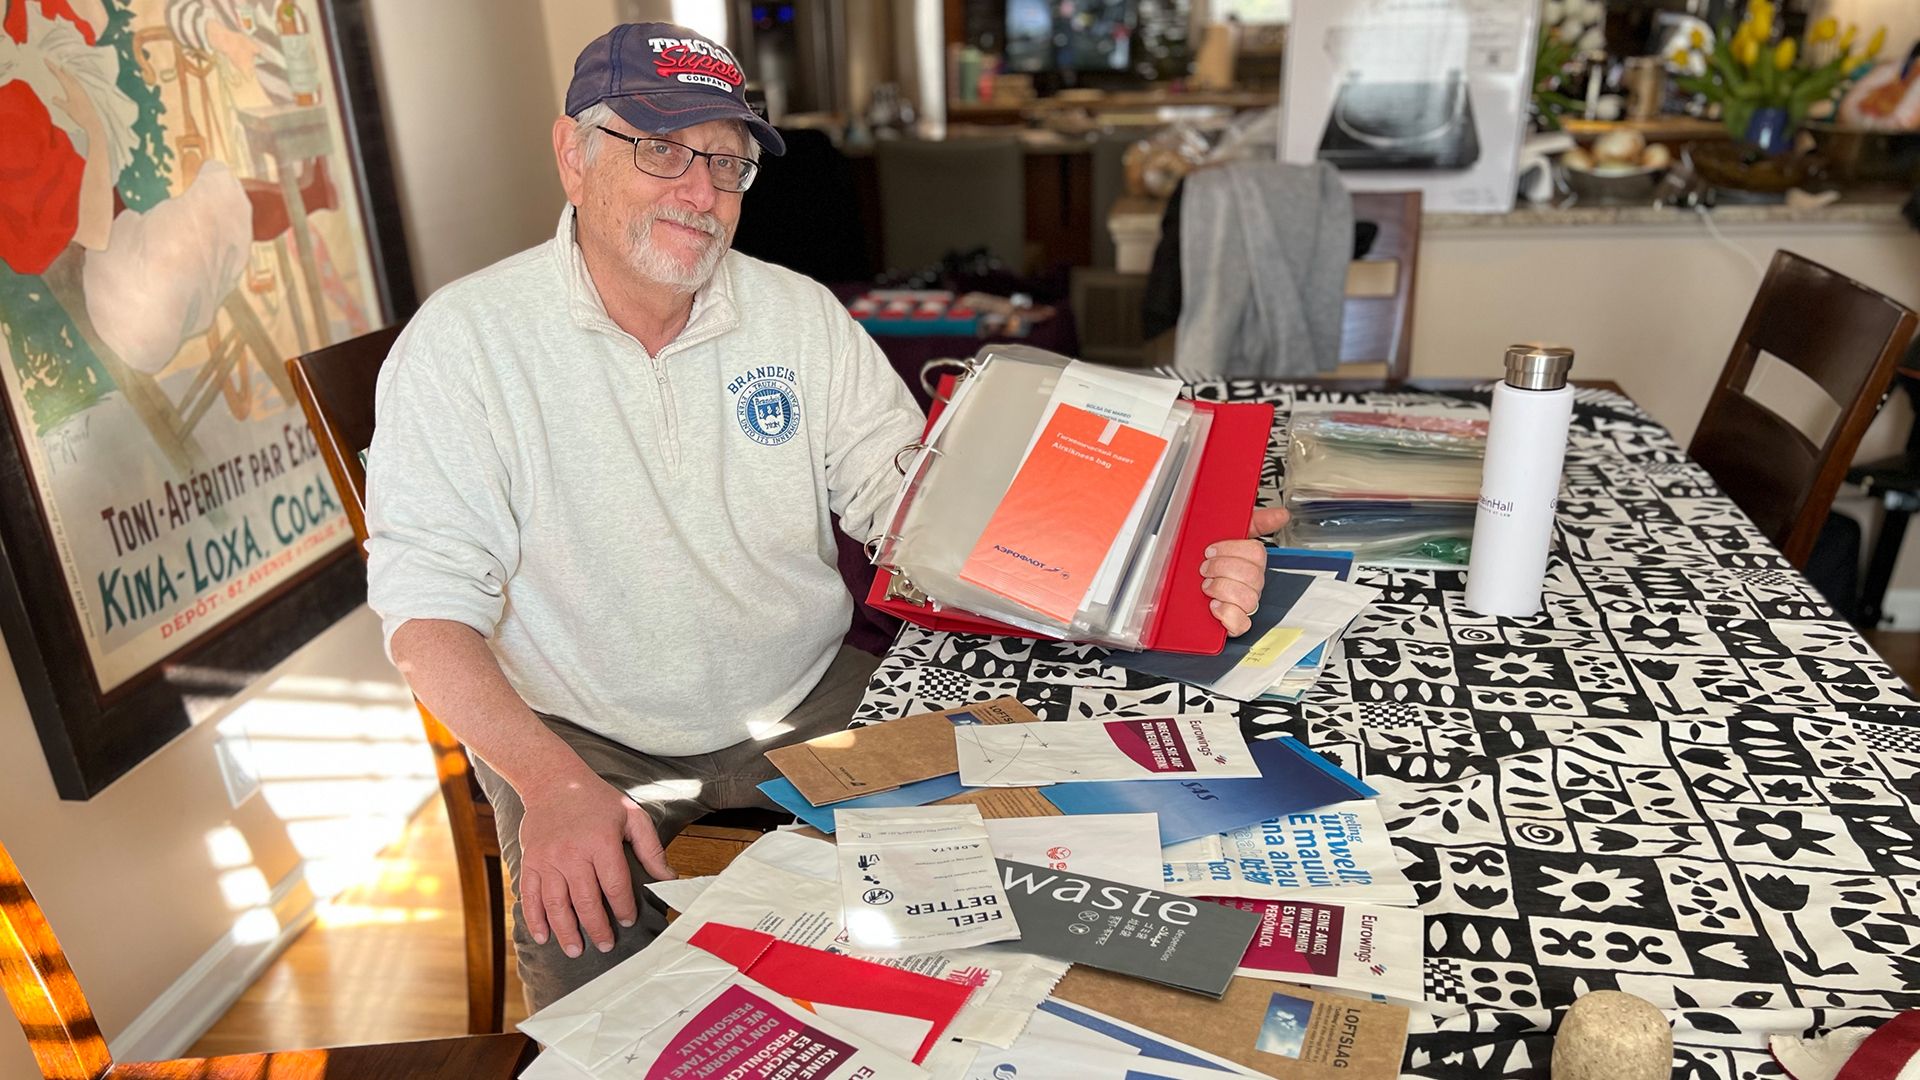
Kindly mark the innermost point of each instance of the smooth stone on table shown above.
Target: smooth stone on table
(1608, 1035)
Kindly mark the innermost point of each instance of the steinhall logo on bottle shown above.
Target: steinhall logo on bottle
(1503, 507)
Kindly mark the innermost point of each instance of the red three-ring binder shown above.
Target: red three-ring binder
(1225, 487)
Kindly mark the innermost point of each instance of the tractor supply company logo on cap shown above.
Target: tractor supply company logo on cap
(690, 60)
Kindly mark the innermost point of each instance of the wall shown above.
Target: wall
(470, 107)
(1654, 308)
(166, 897)
(570, 24)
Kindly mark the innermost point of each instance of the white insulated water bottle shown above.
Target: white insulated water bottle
(1520, 485)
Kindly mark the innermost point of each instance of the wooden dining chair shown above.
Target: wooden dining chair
(1376, 322)
(66, 1042)
(335, 387)
(1844, 337)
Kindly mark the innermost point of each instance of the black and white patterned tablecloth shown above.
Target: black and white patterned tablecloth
(1686, 778)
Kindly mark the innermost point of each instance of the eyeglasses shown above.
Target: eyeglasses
(670, 160)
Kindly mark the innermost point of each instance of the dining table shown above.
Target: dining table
(1686, 778)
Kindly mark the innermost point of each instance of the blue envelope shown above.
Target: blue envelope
(1292, 778)
(919, 793)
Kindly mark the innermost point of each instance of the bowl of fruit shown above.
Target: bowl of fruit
(1620, 167)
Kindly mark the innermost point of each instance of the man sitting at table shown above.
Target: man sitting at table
(599, 496)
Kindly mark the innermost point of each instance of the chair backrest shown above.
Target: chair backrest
(40, 985)
(1107, 307)
(1377, 322)
(1846, 339)
(335, 387)
(952, 195)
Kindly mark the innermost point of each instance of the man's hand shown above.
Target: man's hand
(1236, 571)
(570, 856)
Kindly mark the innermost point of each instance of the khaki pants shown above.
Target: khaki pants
(674, 792)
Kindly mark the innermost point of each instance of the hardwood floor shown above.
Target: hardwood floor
(385, 961)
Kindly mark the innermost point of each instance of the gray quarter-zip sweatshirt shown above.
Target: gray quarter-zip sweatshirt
(643, 539)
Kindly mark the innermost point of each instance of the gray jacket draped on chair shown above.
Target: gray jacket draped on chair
(1264, 249)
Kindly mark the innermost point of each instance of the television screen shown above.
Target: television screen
(1069, 35)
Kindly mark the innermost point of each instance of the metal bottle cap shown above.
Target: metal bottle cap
(1538, 367)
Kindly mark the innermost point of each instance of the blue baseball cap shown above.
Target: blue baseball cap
(660, 78)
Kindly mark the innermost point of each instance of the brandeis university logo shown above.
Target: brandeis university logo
(767, 403)
(690, 60)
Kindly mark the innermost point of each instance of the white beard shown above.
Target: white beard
(650, 261)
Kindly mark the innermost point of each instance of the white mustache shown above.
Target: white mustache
(706, 223)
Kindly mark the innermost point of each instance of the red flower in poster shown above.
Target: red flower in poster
(43, 178)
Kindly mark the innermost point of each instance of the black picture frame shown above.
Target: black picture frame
(90, 738)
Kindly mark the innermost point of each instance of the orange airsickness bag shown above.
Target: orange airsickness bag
(1057, 521)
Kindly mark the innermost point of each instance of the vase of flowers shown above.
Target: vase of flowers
(1770, 130)
(1766, 86)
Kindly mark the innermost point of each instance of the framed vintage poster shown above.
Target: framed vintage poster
(191, 191)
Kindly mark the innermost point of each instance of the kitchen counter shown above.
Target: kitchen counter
(1667, 129)
(1142, 103)
(1878, 207)
(1863, 208)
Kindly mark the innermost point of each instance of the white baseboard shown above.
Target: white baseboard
(1901, 611)
(179, 1016)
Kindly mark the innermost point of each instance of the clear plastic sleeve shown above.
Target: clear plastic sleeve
(955, 478)
(1347, 455)
(1386, 486)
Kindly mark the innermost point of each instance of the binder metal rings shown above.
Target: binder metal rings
(927, 370)
(873, 548)
(899, 586)
(911, 448)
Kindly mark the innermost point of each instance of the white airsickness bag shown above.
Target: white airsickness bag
(1149, 748)
(700, 1017)
(917, 878)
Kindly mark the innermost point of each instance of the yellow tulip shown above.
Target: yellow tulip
(1763, 25)
(1846, 39)
(1783, 54)
(1879, 39)
(1760, 9)
(1746, 51)
(1822, 30)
